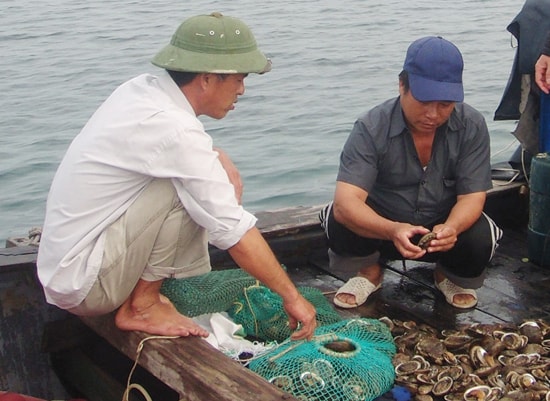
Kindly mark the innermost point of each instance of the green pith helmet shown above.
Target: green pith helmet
(213, 43)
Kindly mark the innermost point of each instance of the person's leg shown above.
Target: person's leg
(348, 251)
(464, 266)
(153, 240)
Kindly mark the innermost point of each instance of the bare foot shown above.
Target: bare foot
(159, 318)
(372, 273)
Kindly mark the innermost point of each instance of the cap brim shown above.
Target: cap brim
(427, 90)
(176, 59)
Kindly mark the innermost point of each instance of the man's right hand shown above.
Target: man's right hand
(301, 315)
(401, 237)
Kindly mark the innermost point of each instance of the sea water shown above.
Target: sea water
(332, 60)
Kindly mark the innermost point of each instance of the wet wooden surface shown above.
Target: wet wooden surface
(514, 289)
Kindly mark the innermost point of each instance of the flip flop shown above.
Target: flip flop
(450, 289)
(358, 286)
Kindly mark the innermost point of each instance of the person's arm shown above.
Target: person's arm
(542, 68)
(232, 173)
(464, 214)
(351, 210)
(253, 255)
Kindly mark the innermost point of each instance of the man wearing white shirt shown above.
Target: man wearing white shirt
(141, 190)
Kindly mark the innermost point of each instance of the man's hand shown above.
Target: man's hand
(232, 173)
(542, 73)
(401, 237)
(446, 238)
(301, 311)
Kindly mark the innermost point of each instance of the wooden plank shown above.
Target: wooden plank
(18, 256)
(190, 366)
(273, 223)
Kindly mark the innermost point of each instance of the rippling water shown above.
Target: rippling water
(332, 61)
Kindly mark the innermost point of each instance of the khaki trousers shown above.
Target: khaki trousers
(153, 240)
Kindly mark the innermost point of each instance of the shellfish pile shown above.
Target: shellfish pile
(479, 362)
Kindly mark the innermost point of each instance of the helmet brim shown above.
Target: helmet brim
(176, 59)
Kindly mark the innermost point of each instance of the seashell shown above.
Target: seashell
(532, 331)
(451, 332)
(432, 348)
(409, 324)
(425, 389)
(457, 341)
(512, 378)
(425, 378)
(526, 380)
(495, 394)
(539, 373)
(450, 358)
(423, 397)
(425, 240)
(388, 322)
(324, 368)
(477, 393)
(312, 380)
(532, 348)
(453, 397)
(509, 352)
(455, 372)
(466, 367)
(504, 360)
(519, 395)
(482, 330)
(513, 341)
(355, 389)
(282, 382)
(476, 379)
(424, 364)
(496, 381)
(400, 357)
(442, 386)
(408, 367)
(493, 345)
(480, 357)
(485, 371)
(523, 359)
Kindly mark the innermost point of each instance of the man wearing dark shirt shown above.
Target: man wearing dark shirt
(415, 164)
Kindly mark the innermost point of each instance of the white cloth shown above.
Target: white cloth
(229, 337)
(145, 129)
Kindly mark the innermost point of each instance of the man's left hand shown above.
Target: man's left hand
(446, 238)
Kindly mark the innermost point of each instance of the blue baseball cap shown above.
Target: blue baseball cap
(434, 66)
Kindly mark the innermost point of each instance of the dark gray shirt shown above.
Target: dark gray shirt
(379, 156)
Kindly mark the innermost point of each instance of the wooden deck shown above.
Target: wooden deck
(189, 369)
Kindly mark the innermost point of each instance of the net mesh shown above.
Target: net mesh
(349, 360)
(209, 293)
(260, 311)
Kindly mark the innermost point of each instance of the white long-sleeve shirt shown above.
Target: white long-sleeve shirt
(146, 129)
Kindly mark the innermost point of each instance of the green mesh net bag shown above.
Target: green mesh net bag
(260, 311)
(209, 293)
(349, 360)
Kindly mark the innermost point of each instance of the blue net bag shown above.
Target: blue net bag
(349, 360)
